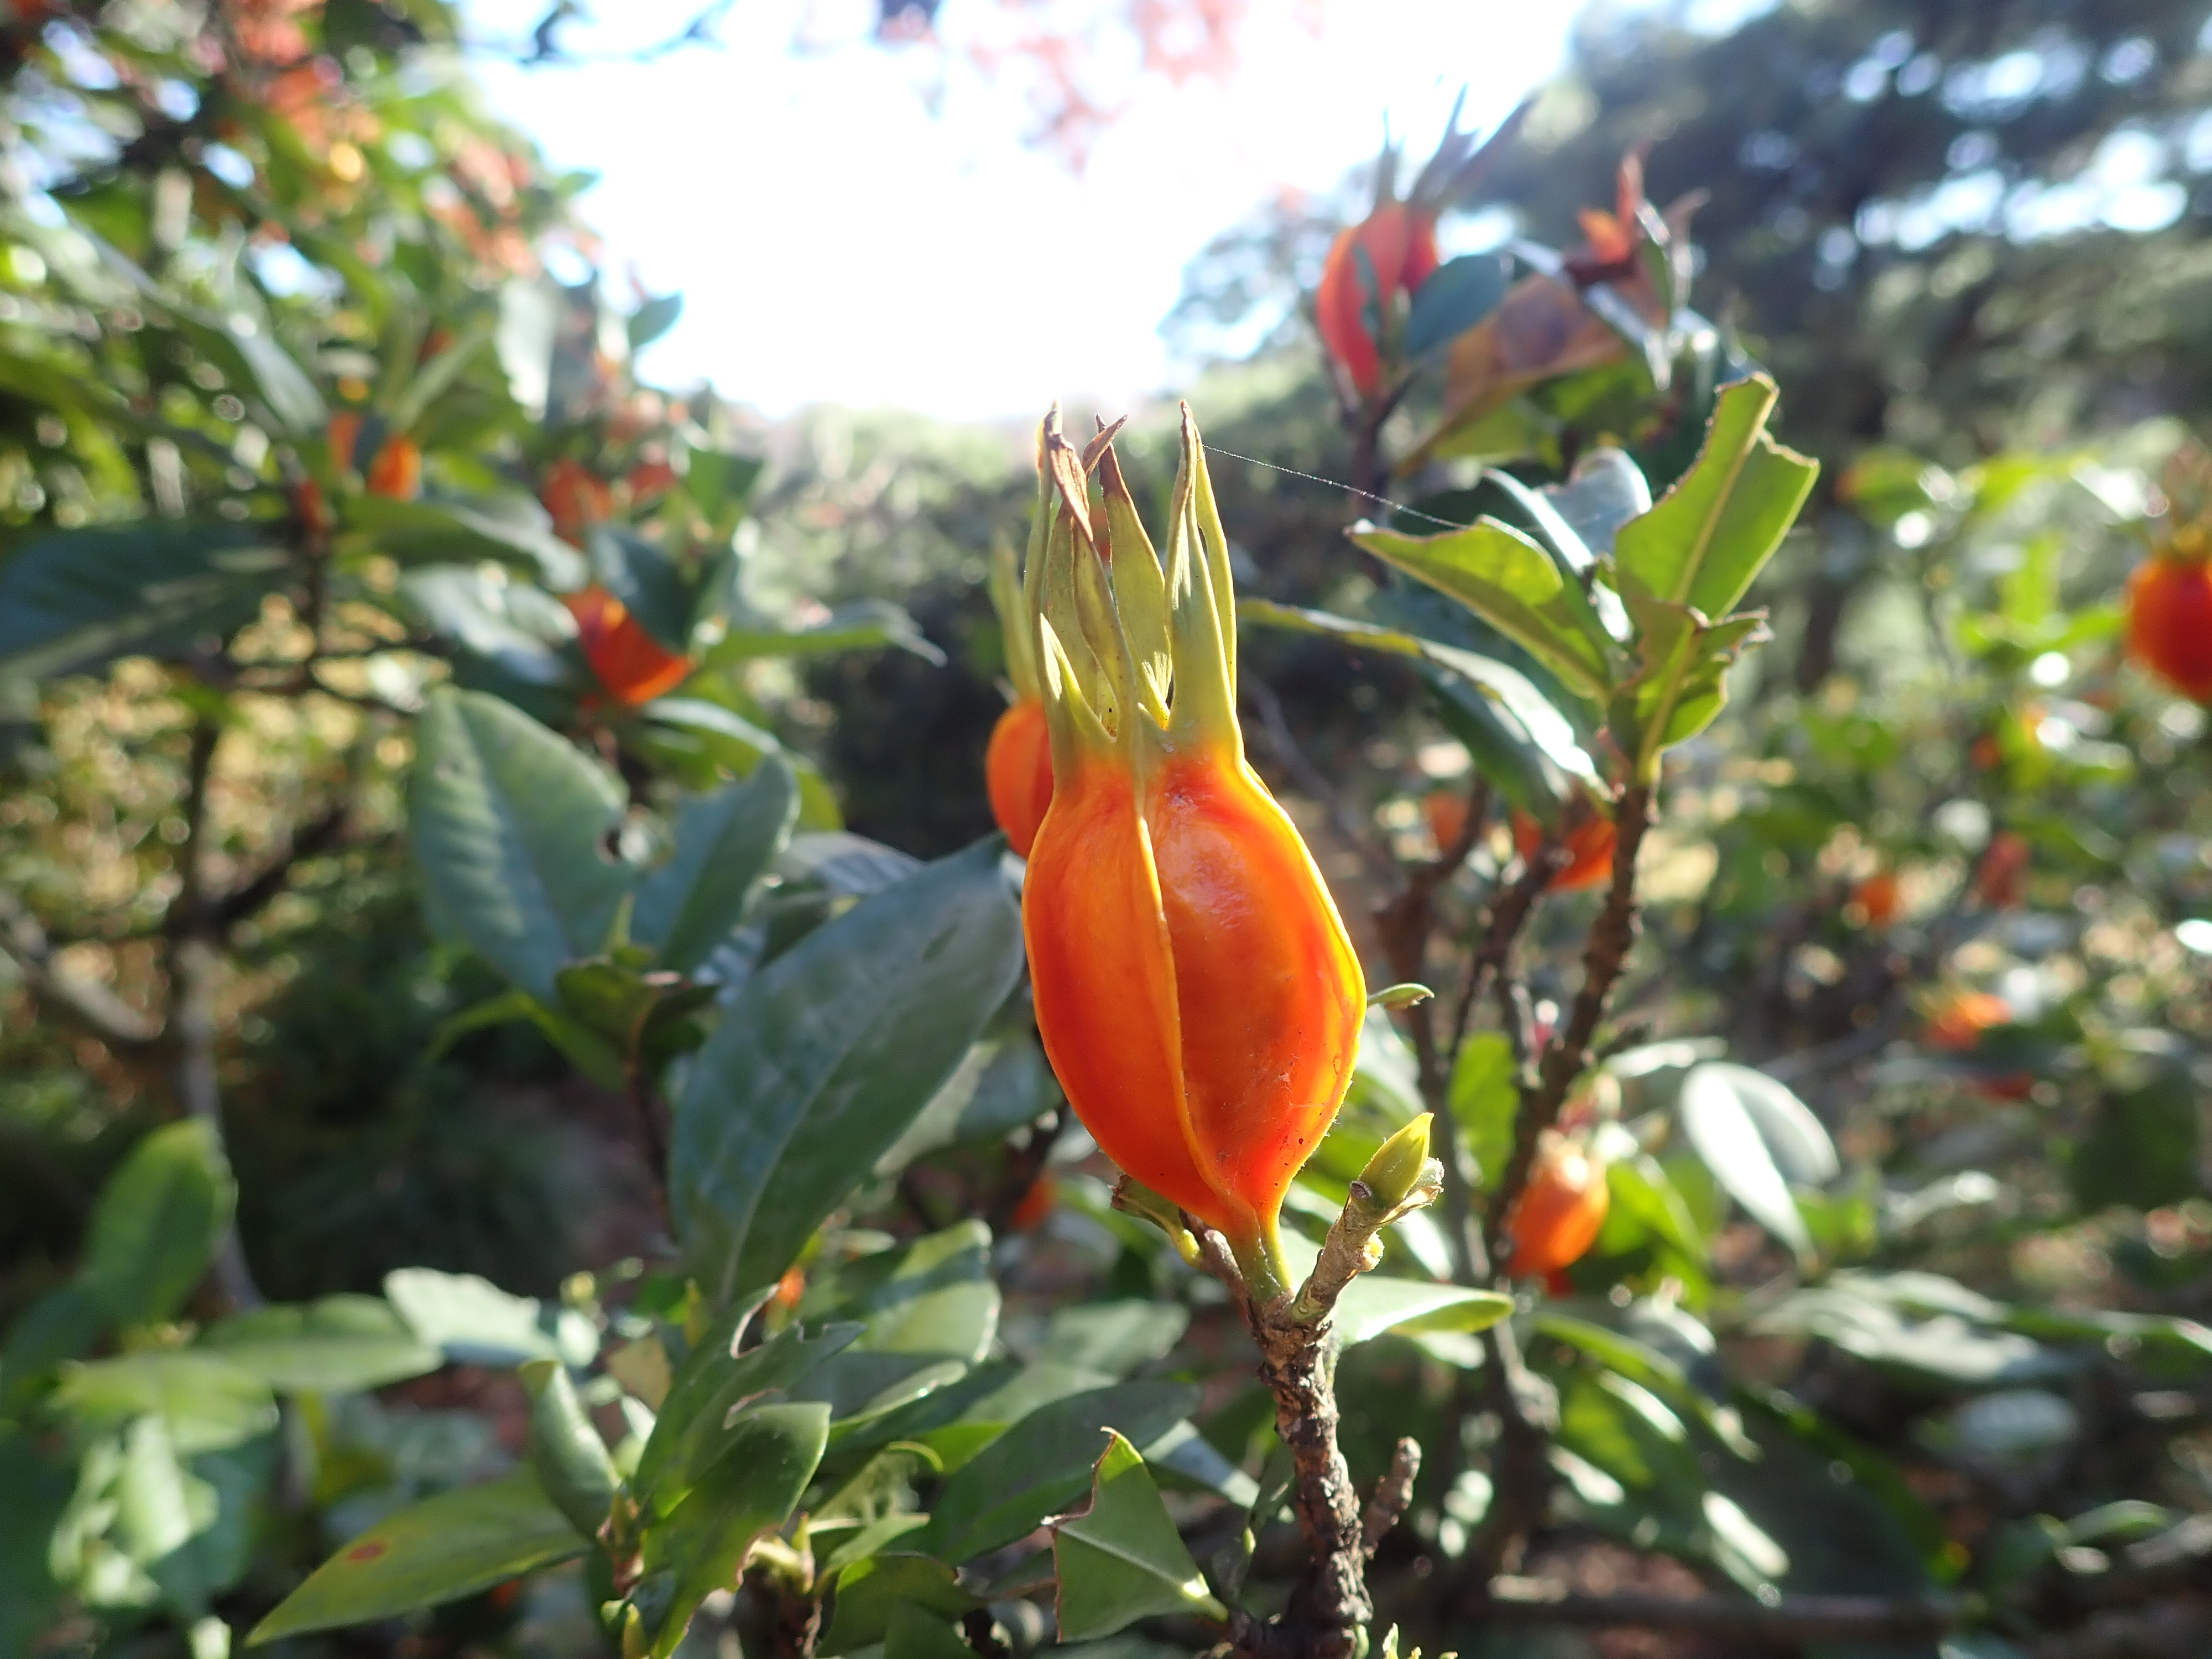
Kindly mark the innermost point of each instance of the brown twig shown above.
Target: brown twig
(89, 1003)
(1604, 955)
(1404, 924)
(1392, 1492)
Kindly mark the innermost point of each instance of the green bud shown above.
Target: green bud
(1401, 1172)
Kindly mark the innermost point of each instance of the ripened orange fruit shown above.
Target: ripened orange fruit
(2170, 617)
(576, 498)
(1589, 851)
(1017, 772)
(1879, 897)
(1446, 811)
(1392, 251)
(2000, 878)
(1560, 1210)
(633, 665)
(397, 471)
(1036, 1205)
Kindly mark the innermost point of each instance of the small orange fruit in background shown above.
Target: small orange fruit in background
(397, 471)
(2000, 878)
(1036, 1205)
(1400, 245)
(1561, 1208)
(1017, 772)
(1879, 897)
(1589, 851)
(2170, 615)
(576, 498)
(1446, 811)
(633, 665)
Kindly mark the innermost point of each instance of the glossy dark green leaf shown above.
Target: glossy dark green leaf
(62, 1325)
(1375, 1304)
(1708, 536)
(1113, 1337)
(439, 1550)
(1512, 584)
(773, 1454)
(827, 1055)
(693, 1432)
(1121, 1558)
(934, 1295)
(915, 1633)
(158, 1221)
(701, 739)
(72, 600)
(1042, 1463)
(1509, 690)
(507, 635)
(566, 1453)
(508, 821)
(870, 1592)
(337, 1345)
(1458, 295)
(723, 841)
(38, 1487)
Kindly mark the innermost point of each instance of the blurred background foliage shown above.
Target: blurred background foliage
(1968, 237)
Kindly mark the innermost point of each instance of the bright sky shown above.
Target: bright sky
(836, 241)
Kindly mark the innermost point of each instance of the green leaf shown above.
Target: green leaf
(689, 731)
(508, 821)
(870, 1593)
(61, 1325)
(1484, 1098)
(934, 1295)
(474, 1322)
(1121, 1559)
(1458, 295)
(1001, 1083)
(566, 1453)
(504, 530)
(1721, 1127)
(157, 1224)
(864, 625)
(206, 1404)
(337, 1345)
(38, 1490)
(1374, 1304)
(827, 1055)
(1680, 683)
(73, 600)
(693, 1433)
(1044, 1462)
(439, 1550)
(1508, 692)
(915, 1634)
(1113, 1337)
(1513, 585)
(723, 841)
(508, 637)
(1708, 536)
(653, 319)
(774, 1452)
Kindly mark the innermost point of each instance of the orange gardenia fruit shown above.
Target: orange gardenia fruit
(1589, 851)
(1879, 897)
(633, 665)
(1400, 243)
(1960, 1020)
(2000, 878)
(2170, 618)
(1197, 992)
(1017, 772)
(397, 471)
(1560, 1210)
(576, 498)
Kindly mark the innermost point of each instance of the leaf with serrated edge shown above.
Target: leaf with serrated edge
(1512, 584)
(1708, 536)
(1121, 1558)
(1507, 688)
